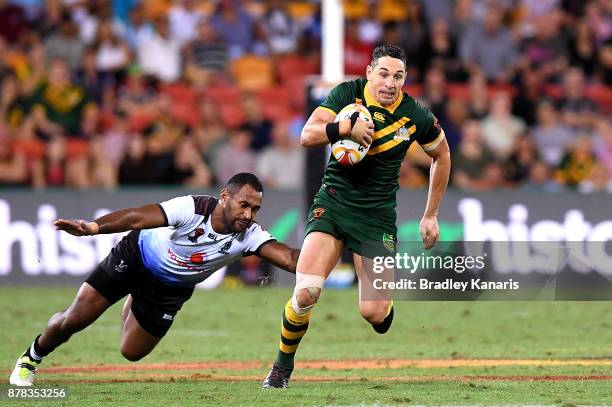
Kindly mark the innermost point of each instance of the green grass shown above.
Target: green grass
(244, 324)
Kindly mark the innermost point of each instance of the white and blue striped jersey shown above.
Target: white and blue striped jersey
(188, 250)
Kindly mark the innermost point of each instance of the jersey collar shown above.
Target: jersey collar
(371, 101)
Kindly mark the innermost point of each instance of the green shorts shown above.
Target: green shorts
(366, 234)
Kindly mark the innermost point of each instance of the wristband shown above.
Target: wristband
(332, 130)
(354, 118)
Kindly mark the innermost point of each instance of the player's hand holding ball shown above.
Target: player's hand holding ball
(351, 150)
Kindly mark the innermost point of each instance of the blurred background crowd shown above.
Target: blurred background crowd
(109, 93)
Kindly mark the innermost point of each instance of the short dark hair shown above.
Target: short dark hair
(387, 51)
(239, 180)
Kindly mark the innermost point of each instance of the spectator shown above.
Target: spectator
(530, 92)
(235, 157)
(112, 53)
(490, 47)
(478, 99)
(577, 110)
(136, 167)
(211, 134)
(281, 165)
(604, 57)
(603, 142)
(518, 165)
(51, 169)
(370, 28)
(583, 53)
(357, 53)
(599, 16)
(137, 30)
(58, 104)
(184, 18)
(500, 128)
(256, 123)
(440, 49)
(281, 30)
(207, 57)
(550, 135)
(12, 21)
(455, 115)
(471, 158)
(13, 164)
(160, 55)
(101, 172)
(461, 18)
(577, 163)
(138, 99)
(598, 180)
(540, 180)
(65, 43)
(546, 51)
(187, 167)
(12, 104)
(434, 91)
(237, 27)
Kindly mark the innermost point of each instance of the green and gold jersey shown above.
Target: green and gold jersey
(373, 182)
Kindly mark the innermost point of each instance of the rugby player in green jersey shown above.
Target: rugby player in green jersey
(355, 206)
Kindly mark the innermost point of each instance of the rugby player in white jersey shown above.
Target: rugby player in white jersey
(172, 246)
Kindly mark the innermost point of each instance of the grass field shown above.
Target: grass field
(223, 343)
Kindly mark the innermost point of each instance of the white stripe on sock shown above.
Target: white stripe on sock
(33, 354)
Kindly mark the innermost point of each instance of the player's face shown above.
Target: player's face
(386, 79)
(240, 208)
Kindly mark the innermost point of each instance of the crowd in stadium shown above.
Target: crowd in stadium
(101, 94)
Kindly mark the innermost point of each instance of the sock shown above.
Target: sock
(384, 326)
(293, 328)
(35, 352)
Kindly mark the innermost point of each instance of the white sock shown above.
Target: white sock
(34, 355)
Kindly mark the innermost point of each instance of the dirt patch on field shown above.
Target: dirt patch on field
(330, 364)
(152, 378)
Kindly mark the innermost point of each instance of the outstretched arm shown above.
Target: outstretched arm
(280, 255)
(144, 217)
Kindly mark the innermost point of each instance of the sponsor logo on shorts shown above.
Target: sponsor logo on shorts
(121, 267)
(389, 242)
(168, 317)
(318, 212)
(196, 235)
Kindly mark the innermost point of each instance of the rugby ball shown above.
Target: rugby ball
(347, 151)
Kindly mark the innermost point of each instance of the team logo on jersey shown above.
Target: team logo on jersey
(225, 248)
(402, 134)
(379, 116)
(318, 212)
(197, 257)
(196, 235)
(389, 242)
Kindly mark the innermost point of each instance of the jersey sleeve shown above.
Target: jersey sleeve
(338, 98)
(179, 211)
(431, 133)
(256, 237)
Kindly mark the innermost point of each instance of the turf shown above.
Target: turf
(242, 325)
